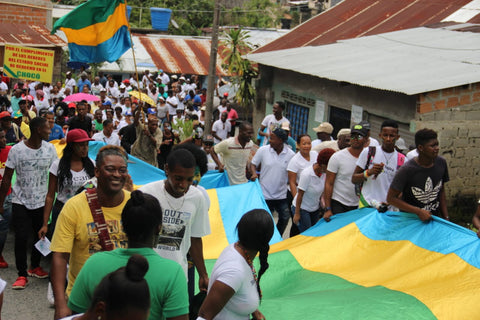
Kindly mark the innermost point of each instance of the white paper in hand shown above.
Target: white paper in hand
(43, 245)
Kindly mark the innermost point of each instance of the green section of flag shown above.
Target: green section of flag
(291, 292)
(88, 13)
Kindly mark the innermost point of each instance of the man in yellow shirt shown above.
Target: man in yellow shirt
(76, 237)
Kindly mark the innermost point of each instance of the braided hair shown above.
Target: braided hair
(255, 229)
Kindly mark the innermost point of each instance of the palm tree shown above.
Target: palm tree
(242, 71)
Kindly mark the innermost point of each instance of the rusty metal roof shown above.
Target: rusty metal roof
(28, 35)
(180, 54)
(356, 18)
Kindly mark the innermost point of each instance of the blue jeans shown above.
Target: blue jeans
(307, 218)
(5, 221)
(281, 206)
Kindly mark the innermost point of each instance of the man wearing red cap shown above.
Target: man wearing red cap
(13, 133)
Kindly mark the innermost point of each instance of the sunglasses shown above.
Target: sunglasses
(356, 136)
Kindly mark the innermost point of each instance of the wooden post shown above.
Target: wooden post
(212, 69)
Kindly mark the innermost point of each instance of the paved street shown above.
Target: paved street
(27, 304)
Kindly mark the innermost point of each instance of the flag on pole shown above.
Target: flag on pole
(97, 31)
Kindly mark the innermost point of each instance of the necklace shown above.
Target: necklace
(168, 201)
(389, 158)
(250, 264)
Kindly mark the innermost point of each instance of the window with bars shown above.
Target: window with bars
(298, 117)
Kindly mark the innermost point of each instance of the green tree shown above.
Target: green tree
(243, 72)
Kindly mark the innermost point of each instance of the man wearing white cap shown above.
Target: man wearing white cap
(70, 82)
(324, 133)
(342, 142)
(123, 92)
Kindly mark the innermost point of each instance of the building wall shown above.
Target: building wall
(459, 136)
(380, 103)
(448, 98)
(31, 12)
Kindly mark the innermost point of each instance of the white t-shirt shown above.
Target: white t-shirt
(172, 101)
(113, 139)
(32, 167)
(221, 129)
(273, 173)
(271, 123)
(313, 187)
(96, 88)
(183, 218)
(3, 284)
(376, 188)
(343, 164)
(162, 110)
(70, 83)
(232, 270)
(180, 97)
(78, 179)
(121, 123)
(374, 142)
(298, 163)
(411, 154)
(221, 109)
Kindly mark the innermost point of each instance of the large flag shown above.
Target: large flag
(97, 31)
(369, 265)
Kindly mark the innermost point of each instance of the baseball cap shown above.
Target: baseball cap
(343, 132)
(285, 126)
(400, 144)
(128, 113)
(77, 135)
(365, 124)
(5, 114)
(174, 76)
(122, 86)
(151, 111)
(17, 115)
(126, 81)
(359, 129)
(40, 92)
(324, 127)
(107, 103)
(72, 105)
(208, 139)
(203, 108)
(225, 94)
(103, 89)
(181, 78)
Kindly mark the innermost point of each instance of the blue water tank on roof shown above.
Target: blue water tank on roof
(160, 18)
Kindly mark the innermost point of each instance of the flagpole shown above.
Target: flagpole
(134, 60)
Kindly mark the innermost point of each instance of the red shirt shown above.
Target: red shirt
(232, 116)
(3, 160)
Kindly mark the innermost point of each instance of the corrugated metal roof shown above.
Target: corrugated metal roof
(180, 55)
(409, 61)
(173, 54)
(357, 18)
(28, 35)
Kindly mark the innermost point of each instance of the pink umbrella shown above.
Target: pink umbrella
(81, 96)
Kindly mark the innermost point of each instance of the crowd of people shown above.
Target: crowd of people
(88, 206)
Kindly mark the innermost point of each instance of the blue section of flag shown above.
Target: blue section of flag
(235, 201)
(110, 50)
